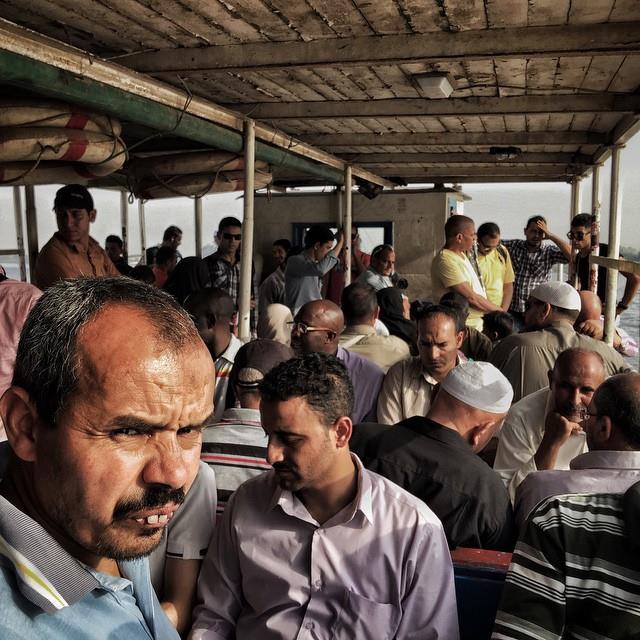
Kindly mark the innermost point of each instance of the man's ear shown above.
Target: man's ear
(21, 419)
(601, 431)
(92, 215)
(480, 435)
(343, 428)
(460, 338)
(547, 310)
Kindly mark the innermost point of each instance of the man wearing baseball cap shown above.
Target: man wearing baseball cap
(526, 358)
(434, 457)
(72, 252)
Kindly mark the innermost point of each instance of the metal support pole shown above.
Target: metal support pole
(595, 227)
(197, 212)
(124, 223)
(32, 230)
(348, 222)
(615, 224)
(17, 210)
(143, 233)
(244, 302)
(575, 196)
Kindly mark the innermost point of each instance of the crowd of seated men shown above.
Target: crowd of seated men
(159, 478)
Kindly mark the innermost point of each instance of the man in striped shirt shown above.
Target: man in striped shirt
(236, 447)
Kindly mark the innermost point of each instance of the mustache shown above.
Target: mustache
(153, 497)
(279, 466)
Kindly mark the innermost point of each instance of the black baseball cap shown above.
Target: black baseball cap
(73, 196)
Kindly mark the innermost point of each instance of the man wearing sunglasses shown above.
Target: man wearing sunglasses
(581, 240)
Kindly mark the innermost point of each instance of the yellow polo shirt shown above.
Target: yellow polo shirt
(496, 271)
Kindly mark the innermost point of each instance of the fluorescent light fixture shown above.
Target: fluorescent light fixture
(434, 85)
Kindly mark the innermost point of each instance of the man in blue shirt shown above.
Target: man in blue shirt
(111, 389)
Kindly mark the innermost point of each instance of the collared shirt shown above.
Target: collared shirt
(575, 573)
(58, 260)
(383, 350)
(531, 268)
(592, 472)
(379, 569)
(526, 358)
(407, 391)
(224, 364)
(16, 300)
(496, 271)
(302, 279)
(521, 436)
(366, 377)
(236, 449)
(436, 465)
(450, 268)
(47, 593)
(271, 290)
(226, 276)
(374, 279)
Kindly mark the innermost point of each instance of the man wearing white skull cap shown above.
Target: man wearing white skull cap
(525, 358)
(434, 457)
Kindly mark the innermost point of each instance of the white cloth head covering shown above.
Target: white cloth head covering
(559, 294)
(480, 385)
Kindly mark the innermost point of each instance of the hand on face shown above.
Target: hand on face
(558, 429)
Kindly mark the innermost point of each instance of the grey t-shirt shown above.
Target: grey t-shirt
(302, 279)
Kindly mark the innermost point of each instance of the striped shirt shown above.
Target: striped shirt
(574, 574)
(236, 449)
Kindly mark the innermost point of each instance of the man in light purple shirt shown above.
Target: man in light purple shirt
(316, 329)
(319, 547)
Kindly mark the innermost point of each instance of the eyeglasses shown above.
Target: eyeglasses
(302, 328)
(232, 236)
(577, 235)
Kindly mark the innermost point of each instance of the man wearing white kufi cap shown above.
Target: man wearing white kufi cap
(434, 457)
(525, 358)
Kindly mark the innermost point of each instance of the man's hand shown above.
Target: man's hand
(357, 241)
(542, 225)
(591, 328)
(557, 431)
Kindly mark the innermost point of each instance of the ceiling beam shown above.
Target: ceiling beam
(476, 106)
(500, 170)
(509, 138)
(465, 158)
(620, 38)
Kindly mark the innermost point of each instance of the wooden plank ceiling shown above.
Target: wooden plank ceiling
(557, 79)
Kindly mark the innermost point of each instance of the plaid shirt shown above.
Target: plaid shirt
(531, 269)
(226, 276)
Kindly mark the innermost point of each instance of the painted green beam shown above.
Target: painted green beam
(42, 78)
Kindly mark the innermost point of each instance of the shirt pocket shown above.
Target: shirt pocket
(365, 619)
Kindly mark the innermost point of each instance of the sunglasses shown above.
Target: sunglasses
(303, 329)
(577, 235)
(232, 236)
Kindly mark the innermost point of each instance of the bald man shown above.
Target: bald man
(316, 329)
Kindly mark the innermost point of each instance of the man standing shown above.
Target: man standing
(224, 264)
(451, 270)
(526, 358)
(495, 266)
(320, 547)
(72, 252)
(316, 329)
(172, 238)
(410, 385)
(103, 453)
(383, 262)
(333, 282)
(533, 261)
(114, 247)
(271, 290)
(543, 430)
(212, 311)
(435, 457)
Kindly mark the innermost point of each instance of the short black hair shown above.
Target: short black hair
(498, 323)
(459, 304)
(582, 220)
(229, 221)
(318, 233)
(320, 379)
(359, 302)
(617, 397)
(115, 239)
(455, 225)
(171, 232)
(284, 243)
(490, 229)
(165, 255)
(215, 304)
(432, 310)
(534, 219)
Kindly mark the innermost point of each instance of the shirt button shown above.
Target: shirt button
(309, 625)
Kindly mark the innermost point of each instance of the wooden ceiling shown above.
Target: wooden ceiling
(558, 79)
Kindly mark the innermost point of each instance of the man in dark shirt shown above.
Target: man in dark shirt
(435, 458)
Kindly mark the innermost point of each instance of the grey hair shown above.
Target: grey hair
(48, 362)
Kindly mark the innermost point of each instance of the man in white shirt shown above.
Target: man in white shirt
(319, 547)
(543, 430)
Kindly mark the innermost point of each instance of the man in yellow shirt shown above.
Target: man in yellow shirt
(495, 266)
(451, 270)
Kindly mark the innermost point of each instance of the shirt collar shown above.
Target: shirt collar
(359, 329)
(607, 460)
(431, 429)
(75, 246)
(239, 415)
(232, 349)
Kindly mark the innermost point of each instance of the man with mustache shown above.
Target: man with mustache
(544, 430)
(111, 389)
(319, 547)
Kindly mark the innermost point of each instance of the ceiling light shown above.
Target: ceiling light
(435, 85)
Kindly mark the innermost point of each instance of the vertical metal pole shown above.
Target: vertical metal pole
(17, 211)
(595, 227)
(575, 209)
(348, 222)
(197, 212)
(32, 230)
(615, 224)
(124, 223)
(143, 233)
(244, 302)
